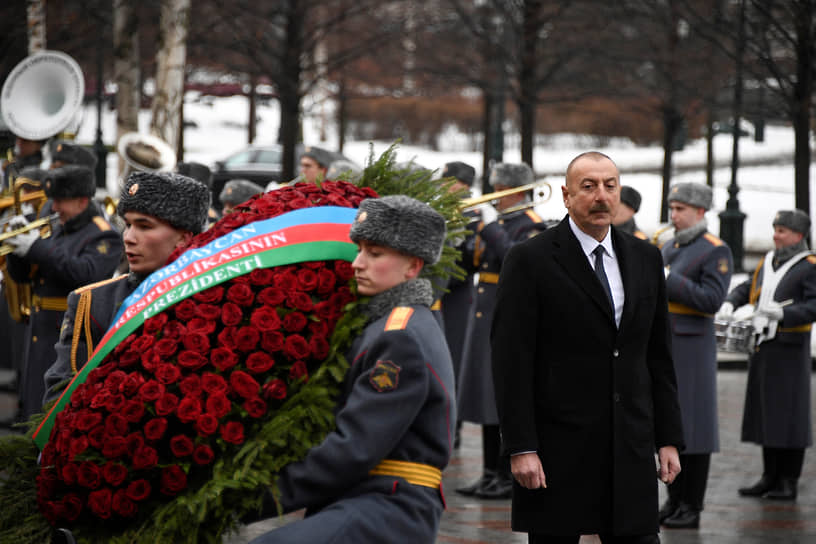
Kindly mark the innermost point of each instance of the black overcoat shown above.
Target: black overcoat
(594, 401)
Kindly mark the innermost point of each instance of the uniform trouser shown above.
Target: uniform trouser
(690, 485)
(782, 462)
(606, 539)
(491, 450)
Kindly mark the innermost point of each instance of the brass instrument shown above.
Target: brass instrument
(109, 204)
(655, 239)
(5, 249)
(538, 186)
(144, 153)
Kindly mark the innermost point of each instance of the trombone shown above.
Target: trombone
(542, 189)
(5, 248)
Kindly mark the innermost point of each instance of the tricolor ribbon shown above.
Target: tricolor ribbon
(309, 234)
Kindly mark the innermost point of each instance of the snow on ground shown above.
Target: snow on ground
(220, 129)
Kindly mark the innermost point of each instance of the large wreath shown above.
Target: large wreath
(183, 425)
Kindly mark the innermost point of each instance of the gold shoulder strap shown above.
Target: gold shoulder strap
(82, 321)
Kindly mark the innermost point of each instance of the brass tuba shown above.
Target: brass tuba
(145, 153)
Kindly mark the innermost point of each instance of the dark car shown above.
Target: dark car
(260, 164)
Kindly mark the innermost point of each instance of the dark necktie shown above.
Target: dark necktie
(601, 273)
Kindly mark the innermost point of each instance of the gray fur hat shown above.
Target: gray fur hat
(236, 191)
(793, 219)
(693, 194)
(343, 166)
(69, 153)
(32, 173)
(459, 170)
(630, 197)
(320, 155)
(402, 223)
(197, 171)
(69, 181)
(511, 175)
(181, 201)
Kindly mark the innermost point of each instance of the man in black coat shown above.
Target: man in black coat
(585, 386)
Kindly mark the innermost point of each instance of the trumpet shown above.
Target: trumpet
(542, 189)
(656, 236)
(5, 248)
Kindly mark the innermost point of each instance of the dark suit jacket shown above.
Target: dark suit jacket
(593, 400)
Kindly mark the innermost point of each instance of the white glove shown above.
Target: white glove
(488, 213)
(17, 222)
(726, 312)
(22, 242)
(772, 310)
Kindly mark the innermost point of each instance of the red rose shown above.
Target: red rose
(209, 312)
(181, 445)
(150, 360)
(189, 409)
(133, 411)
(89, 475)
(203, 455)
(243, 384)
(343, 270)
(100, 502)
(100, 400)
(299, 203)
(191, 360)
(272, 341)
(69, 473)
(168, 373)
(155, 324)
(298, 371)
(261, 276)
(206, 424)
(116, 425)
(115, 378)
(129, 358)
(71, 506)
(275, 389)
(296, 347)
(191, 386)
(138, 490)
(223, 358)
(213, 383)
(337, 200)
(145, 457)
(123, 505)
(258, 362)
(195, 341)
(151, 391)
(167, 404)
(166, 347)
(185, 310)
(319, 347)
(142, 343)
(131, 385)
(255, 407)
(87, 420)
(213, 295)
(97, 436)
(115, 446)
(294, 322)
(134, 442)
(241, 294)
(218, 405)
(77, 446)
(307, 279)
(116, 403)
(265, 319)
(299, 301)
(233, 432)
(231, 314)
(201, 325)
(121, 347)
(286, 281)
(173, 480)
(114, 473)
(325, 281)
(246, 338)
(174, 329)
(226, 338)
(272, 296)
(154, 429)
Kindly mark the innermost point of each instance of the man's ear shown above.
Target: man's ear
(414, 268)
(185, 238)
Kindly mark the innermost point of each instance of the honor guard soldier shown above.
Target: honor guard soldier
(64, 153)
(377, 476)
(625, 216)
(777, 413)
(493, 236)
(237, 191)
(82, 248)
(202, 174)
(698, 273)
(161, 211)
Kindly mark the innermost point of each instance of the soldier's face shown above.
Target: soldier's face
(592, 194)
(68, 208)
(683, 215)
(784, 237)
(149, 242)
(379, 268)
(310, 169)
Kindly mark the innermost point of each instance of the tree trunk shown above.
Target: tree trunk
(289, 91)
(487, 145)
(527, 79)
(126, 71)
(170, 61)
(253, 99)
(802, 102)
(36, 25)
(672, 120)
(342, 114)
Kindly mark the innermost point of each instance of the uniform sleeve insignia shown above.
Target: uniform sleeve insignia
(722, 266)
(811, 259)
(398, 319)
(384, 376)
(713, 240)
(102, 248)
(101, 224)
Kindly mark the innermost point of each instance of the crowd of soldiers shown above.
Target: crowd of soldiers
(162, 211)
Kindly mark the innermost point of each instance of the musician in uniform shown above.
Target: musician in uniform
(376, 477)
(26, 153)
(777, 413)
(64, 152)
(625, 216)
(492, 237)
(698, 272)
(82, 248)
(162, 211)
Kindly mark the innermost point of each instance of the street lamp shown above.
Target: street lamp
(99, 146)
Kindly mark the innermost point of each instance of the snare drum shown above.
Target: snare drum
(734, 336)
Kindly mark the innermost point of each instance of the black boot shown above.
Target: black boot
(470, 490)
(784, 490)
(500, 487)
(685, 517)
(667, 509)
(765, 484)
